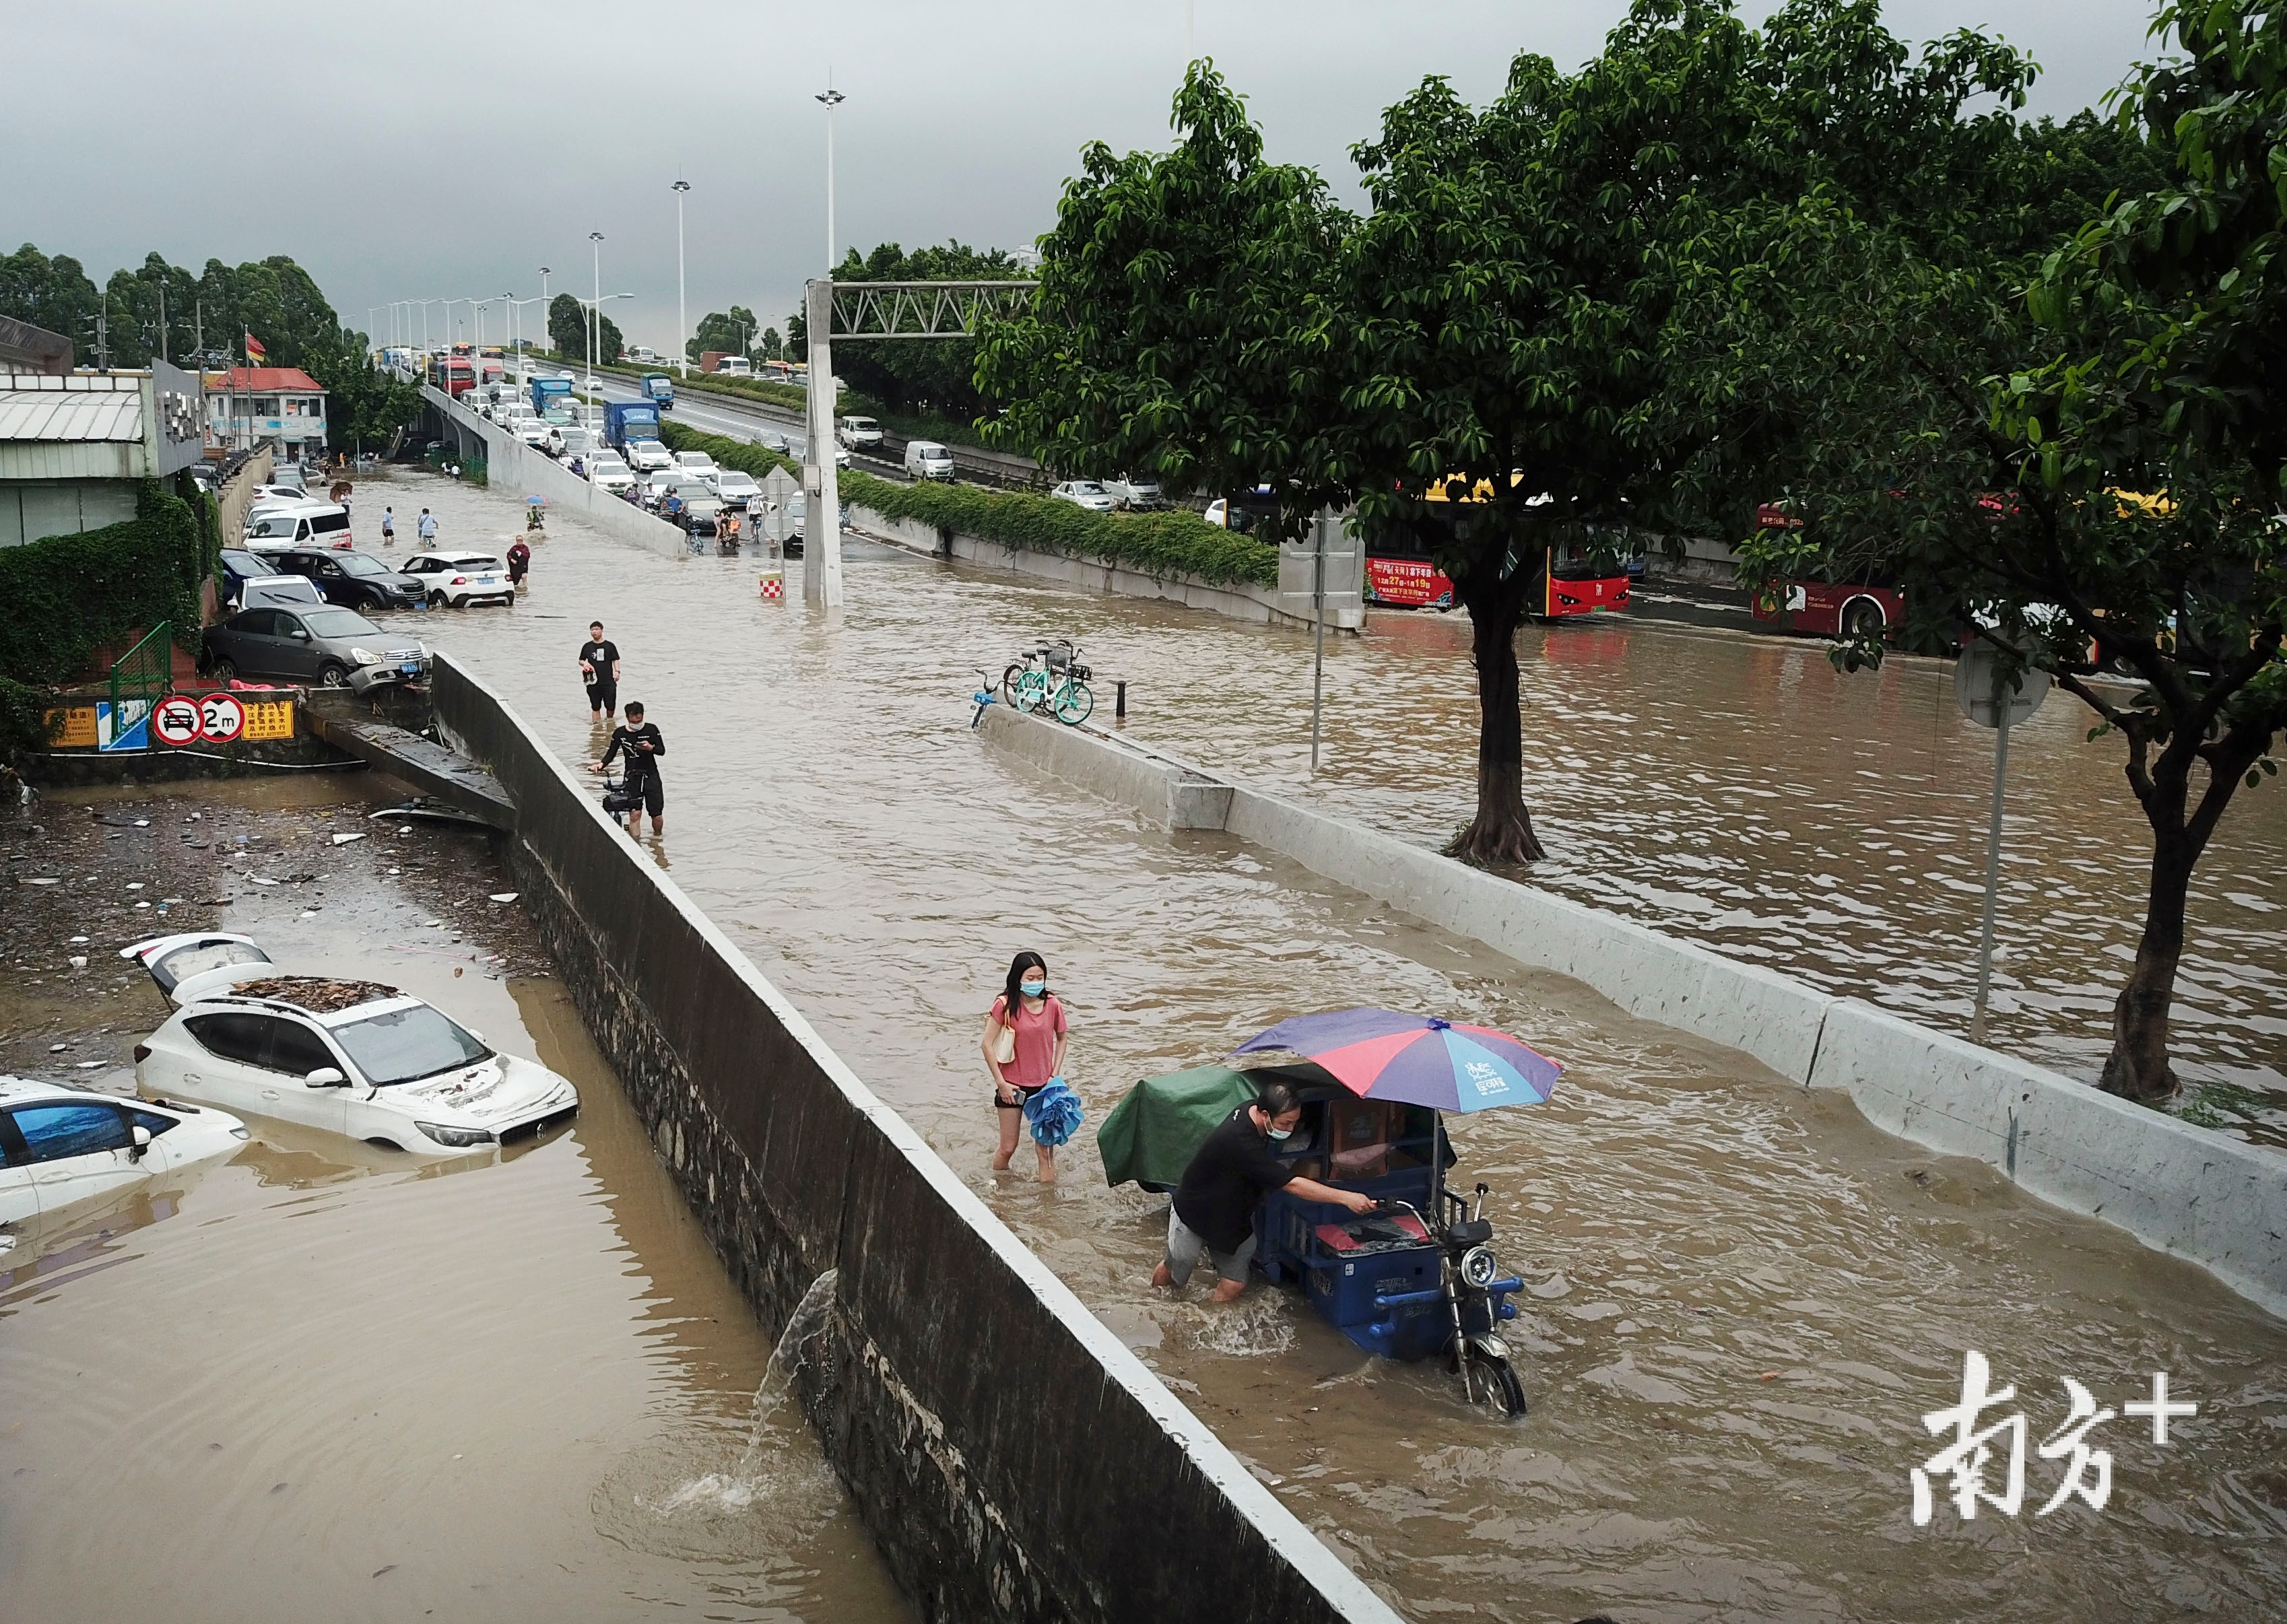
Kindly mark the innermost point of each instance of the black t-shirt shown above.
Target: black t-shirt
(599, 658)
(1225, 1183)
(623, 743)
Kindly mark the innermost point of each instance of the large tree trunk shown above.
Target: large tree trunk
(2138, 1067)
(1501, 832)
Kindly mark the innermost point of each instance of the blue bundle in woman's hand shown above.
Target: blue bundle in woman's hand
(1054, 1113)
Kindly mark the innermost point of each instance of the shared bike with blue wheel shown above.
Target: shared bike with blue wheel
(1050, 680)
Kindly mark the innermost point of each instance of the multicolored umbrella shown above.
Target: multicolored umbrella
(1419, 1059)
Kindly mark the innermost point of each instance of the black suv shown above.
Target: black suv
(354, 580)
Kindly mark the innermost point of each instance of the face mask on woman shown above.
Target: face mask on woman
(1032, 989)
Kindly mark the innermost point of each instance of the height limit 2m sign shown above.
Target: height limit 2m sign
(186, 718)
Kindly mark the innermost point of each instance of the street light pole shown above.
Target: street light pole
(682, 315)
(833, 99)
(596, 319)
(543, 302)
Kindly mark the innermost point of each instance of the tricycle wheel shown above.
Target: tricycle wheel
(1508, 1392)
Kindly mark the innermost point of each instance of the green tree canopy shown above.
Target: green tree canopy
(567, 329)
(733, 333)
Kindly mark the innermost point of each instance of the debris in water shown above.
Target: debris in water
(89, 1065)
(504, 896)
(57, 1048)
(78, 939)
(79, 961)
(259, 880)
(344, 840)
(378, 1571)
(43, 882)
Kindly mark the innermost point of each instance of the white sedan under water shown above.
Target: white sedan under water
(351, 1057)
(63, 1147)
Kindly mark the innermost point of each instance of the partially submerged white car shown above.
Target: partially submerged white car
(351, 1057)
(62, 1146)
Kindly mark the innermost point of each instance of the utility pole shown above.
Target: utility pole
(163, 322)
(544, 310)
(682, 315)
(821, 561)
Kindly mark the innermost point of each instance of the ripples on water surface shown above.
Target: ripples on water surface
(325, 1382)
(1743, 1297)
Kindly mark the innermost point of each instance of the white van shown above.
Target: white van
(927, 460)
(735, 367)
(302, 524)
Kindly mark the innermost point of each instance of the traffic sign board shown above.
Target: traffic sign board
(779, 491)
(175, 721)
(1975, 677)
(221, 718)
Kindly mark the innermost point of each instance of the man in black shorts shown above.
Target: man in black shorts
(1213, 1211)
(640, 743)
(599, 670)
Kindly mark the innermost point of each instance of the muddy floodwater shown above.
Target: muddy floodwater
(1741, 1299)
(322, 1381)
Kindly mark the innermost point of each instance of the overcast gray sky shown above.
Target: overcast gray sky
(421, 149)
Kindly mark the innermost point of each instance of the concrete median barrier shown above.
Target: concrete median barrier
(1012, 1458)
(2202, 1195)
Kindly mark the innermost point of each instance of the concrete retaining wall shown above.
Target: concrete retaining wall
(516, 470)
(1012, 1458)
(2202, 1195)
(1259, 604)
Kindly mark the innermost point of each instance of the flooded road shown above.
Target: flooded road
(1742, 1298)
(324, 1381)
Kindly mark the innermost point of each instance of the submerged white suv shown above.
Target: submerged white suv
(353, 1057)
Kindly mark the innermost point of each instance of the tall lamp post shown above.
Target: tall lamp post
(682, 315)
(821, 562)
(543, 302)
(595, 330)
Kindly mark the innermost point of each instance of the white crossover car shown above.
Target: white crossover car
(349, 1056)
(461, 579)
(60, 1147)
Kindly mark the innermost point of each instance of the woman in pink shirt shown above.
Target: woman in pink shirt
(1033, 1023)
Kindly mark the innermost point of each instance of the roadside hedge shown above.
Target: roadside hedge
(1161, 544)
(71, 594)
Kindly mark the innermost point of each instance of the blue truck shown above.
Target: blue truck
(661, 388)
(629, 420)
(548, 392)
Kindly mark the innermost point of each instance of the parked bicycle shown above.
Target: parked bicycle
(1050, 680)
(983, 697)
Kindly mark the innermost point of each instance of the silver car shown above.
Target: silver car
(1085, 493)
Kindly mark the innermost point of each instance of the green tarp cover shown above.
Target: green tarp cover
(1151, 1135)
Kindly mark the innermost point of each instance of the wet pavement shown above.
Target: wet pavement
(1742, 1298)
(327, 1380)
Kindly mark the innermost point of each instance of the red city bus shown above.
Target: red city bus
(1856, 608)
(450, 373)
(1574, 585)
(1573, 580)
(1398, 572)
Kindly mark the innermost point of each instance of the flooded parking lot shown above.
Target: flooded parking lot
(1742, 1298)
(326, 1381)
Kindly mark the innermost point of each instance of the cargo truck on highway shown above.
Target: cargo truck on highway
(659, 388)
(631, 428)
(548, 392)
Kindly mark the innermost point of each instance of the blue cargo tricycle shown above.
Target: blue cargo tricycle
(1414, 1279)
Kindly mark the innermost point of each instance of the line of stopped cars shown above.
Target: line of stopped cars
(248, 1038)
(300, 593)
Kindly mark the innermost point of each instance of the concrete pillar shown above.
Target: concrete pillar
(821, 531)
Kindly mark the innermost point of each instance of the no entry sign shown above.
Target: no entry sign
(221, 718)
(175, 721)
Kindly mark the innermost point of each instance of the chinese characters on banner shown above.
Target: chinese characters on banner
(1965, 1461)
